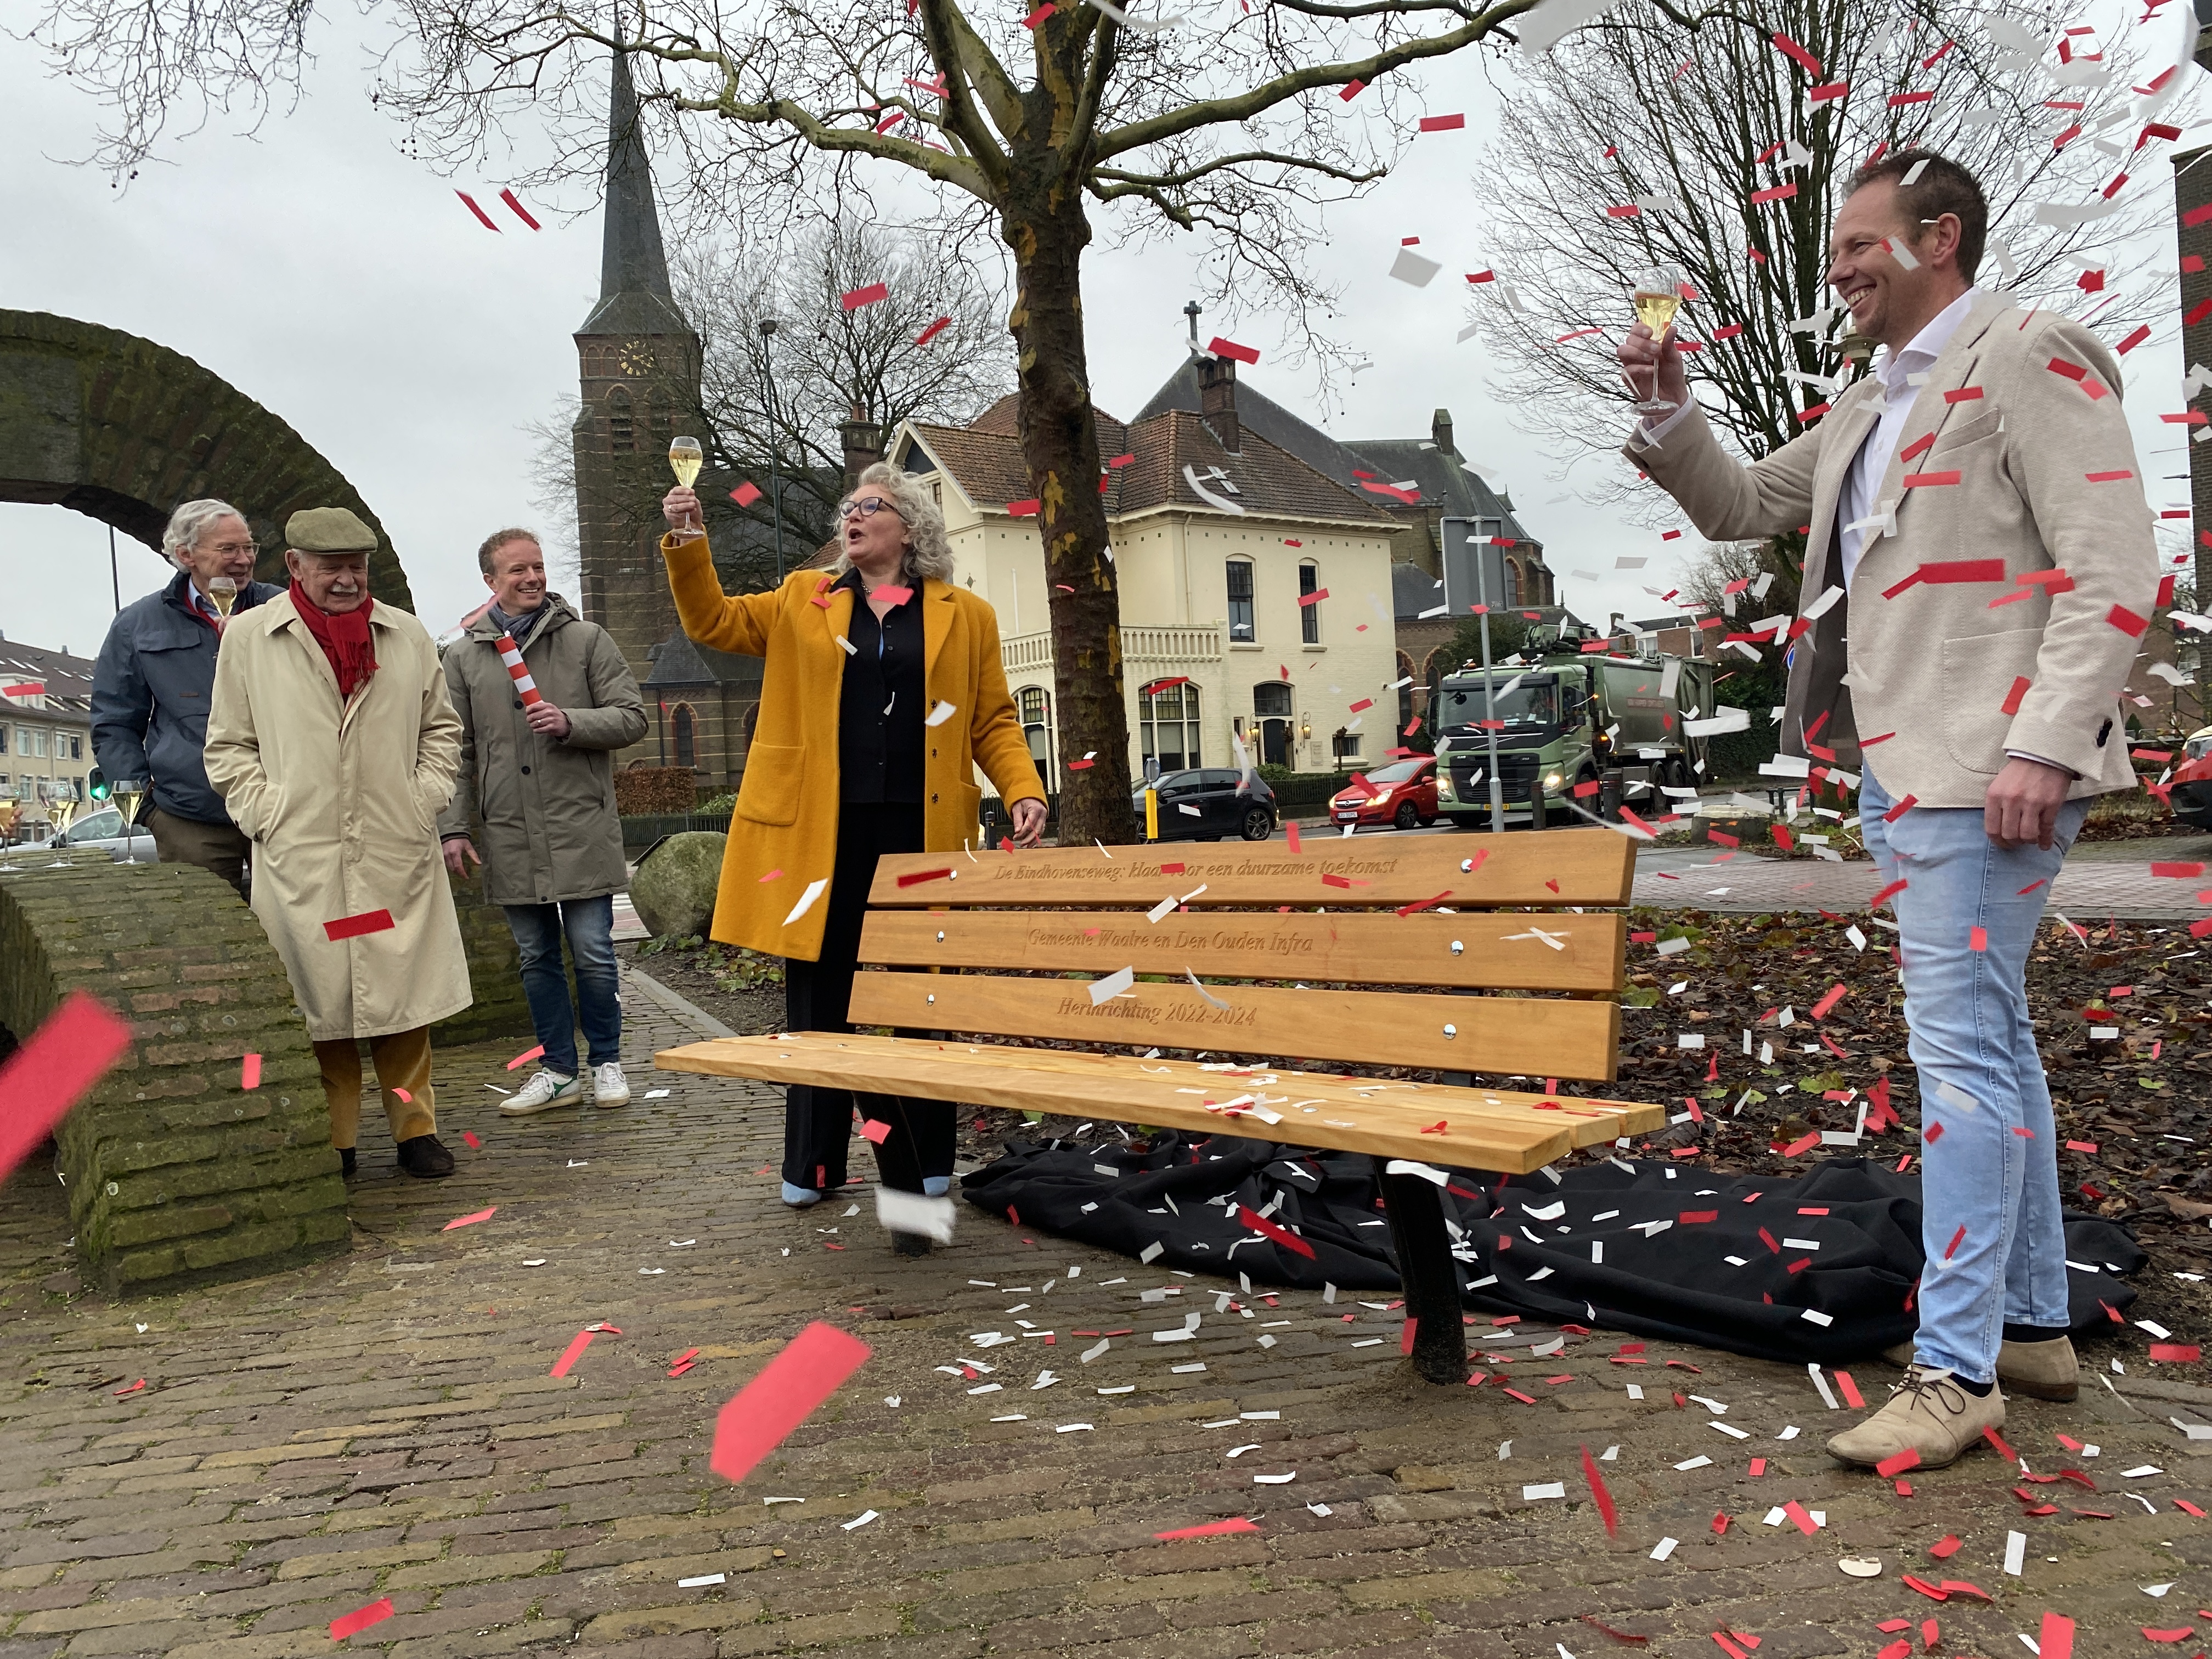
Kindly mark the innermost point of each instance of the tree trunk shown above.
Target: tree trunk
(1043, 221)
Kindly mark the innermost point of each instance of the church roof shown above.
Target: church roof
(634, 297)
(681, 661)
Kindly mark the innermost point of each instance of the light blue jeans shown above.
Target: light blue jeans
(1994, 1170)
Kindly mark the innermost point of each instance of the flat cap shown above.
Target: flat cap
(328, 530)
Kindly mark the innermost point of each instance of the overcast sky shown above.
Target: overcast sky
(322, 272)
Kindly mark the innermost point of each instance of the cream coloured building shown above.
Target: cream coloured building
(1216, 646)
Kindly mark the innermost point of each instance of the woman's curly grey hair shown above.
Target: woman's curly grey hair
(928, 552)
(190, 522)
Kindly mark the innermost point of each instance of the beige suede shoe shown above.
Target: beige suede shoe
(1928, 1412)
(2043, 1370)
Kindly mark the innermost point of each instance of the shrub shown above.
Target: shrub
(644, 789)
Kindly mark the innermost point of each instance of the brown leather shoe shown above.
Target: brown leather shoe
(2042, 1370)
(1928, 1414)
(426, 1157)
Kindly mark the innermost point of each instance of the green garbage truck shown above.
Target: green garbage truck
(1599, 730)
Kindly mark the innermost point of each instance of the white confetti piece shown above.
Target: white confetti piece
(1105, 990)
(806, 902)
(1665, 1548)
(2016, 1555)
(939, 715)
(704, 1579)
(1410, 267)
(1543, 1489)
(859, 1521)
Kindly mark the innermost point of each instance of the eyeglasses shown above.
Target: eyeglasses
(232, 549)
(868, 508)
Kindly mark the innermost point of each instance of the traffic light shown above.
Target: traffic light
(96, 785)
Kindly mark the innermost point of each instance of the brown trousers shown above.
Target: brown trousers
(402, 1066)
(220, 848)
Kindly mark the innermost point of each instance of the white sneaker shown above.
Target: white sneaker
(609, 1086)
(541, 1094)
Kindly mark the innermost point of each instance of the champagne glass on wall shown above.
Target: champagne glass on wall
(685, 458)
(1657, 295)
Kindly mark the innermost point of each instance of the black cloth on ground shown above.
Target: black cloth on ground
(817, 996)
(1739, 1281)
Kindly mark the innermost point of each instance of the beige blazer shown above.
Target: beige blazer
(340, 802)
(1934, 668)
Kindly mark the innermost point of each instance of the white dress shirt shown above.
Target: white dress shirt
(1862, 485)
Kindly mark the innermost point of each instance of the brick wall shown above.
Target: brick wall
(174, 1171)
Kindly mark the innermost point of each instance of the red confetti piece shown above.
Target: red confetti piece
(1957, 1239)
(2181, 1635)
(24, 689)
(521, 211)
(1891, 1466)
(1835, 995)
(2126, 622)
(1964, 394)
(759, 1417)
(1900, 809)
(469, 1136)
(249, 1071)
(133, 1388)
(1028, 509)
(2177, 1353)
(1802, 1145)
(1977, 939)
(2057, 1641)
(525, 1057)
(1443, 123)
(932, 331)
(869, 294)
(469, 1220)
(1282, 1236)
(375, 1613)
(470, 201)
(45, 1077)
(1314, 598)
(875, 1131)
(1223, 348)
(1930, 481)
(573, 1353)
(368, 921)
(1776, 193)
(1796, 54)
(1849, 1390)
(1600, 1495)
(2133, 340)
(916, 879)
(745, 494)
(1211, 1529)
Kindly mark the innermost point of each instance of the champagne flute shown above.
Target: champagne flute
(126, 794)
(685, 459)
(1657, 295)
(223, 595)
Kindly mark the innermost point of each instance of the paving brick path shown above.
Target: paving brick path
(384, 1425)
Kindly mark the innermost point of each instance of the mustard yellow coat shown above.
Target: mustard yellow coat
(786, 812)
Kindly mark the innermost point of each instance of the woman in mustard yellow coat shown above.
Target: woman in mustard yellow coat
(881, 691)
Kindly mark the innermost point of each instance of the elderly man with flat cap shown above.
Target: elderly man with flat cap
(334, 747)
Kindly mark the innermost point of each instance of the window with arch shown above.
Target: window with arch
(621, 427)
(1035, 704)
(1308, 610)
(1167, 728)
(1240, 601)
(687, 741)
(1513, 584)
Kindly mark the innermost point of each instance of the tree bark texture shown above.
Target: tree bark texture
(1043, 222)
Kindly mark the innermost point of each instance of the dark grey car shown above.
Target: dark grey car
(1208, 804)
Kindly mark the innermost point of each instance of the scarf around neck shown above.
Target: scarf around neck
(344, 638)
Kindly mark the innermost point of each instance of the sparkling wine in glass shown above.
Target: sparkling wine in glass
(685, 459)
(223, 595)
(1657, 295)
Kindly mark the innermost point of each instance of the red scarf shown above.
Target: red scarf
(344, 636)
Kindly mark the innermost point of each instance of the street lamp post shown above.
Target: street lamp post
(774, 470)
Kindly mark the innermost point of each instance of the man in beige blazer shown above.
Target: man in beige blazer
(1979, 569)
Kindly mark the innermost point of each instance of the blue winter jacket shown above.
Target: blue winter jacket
(149, 698)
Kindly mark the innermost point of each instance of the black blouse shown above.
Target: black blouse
(879, 713)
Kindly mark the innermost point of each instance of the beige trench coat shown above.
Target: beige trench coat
(341, 806)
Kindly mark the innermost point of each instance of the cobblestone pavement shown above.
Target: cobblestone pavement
(2098, 885)
(385, 1425)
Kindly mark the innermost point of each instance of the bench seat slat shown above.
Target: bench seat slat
(1567, 866)
(1486, 1130)
(1521, 1036)
(1497, 951)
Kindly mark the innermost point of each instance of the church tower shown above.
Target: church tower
(640, 363)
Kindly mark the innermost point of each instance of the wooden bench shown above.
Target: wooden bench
(1270, 934)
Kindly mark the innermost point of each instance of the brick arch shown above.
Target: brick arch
(174, 1171)
(122, 429)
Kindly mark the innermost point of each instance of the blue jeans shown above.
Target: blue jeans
(1993, 1171)
(589, 925)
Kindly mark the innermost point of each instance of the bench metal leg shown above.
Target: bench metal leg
(1429, 1274)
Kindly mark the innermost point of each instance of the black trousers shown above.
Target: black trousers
(817, 996)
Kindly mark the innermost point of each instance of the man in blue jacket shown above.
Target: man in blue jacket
(151, 687)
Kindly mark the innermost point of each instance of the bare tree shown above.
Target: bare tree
(1643, 139)
(1232, 124)
(930, 352)
(785, 394)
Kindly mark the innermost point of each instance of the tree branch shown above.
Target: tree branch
(1174, 180)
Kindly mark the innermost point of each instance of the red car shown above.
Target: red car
(1401, 795)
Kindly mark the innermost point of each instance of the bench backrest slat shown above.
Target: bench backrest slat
(1495, 952)
(1592, 866)
(1529, 1036)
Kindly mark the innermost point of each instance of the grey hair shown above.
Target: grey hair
(190, 522)
(927, 553)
